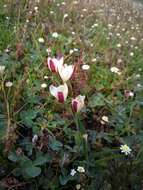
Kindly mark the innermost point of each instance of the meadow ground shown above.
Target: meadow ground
(71, 95)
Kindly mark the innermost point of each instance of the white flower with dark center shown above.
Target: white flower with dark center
(60, 92)
(125, 149)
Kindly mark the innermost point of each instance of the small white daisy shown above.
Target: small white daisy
(125, 149)
(41, 40)
(55, 35)
(78, 186)
(8, 84)
(80, 169)
(85, 67)
(44, 85)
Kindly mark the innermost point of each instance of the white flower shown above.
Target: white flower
(44, 85)
(51, 12)
(8, 84)
(60, 92)
(41, 40)
(133, 38)
(36, 8)
(75, 49)
(105, 118)
(46, 77)
(131, 54)
(85, 67)
(65, 15)
(131, 94)
(139, 85)
(115, 70)
(84, 10)
(71, 51)
(75, 2)
(94, 60)
(54, 63)
(73, 172)
(78, 186)
(118, 45)
(78, 103)
(35, 138)
(2, 68)
(63, 3)
(125, 149)
(85, 136)
(80, 169)
(65, 72)
(55, 35)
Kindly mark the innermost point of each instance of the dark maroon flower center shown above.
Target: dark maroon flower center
(74, 106)
(61, 97)
(52, 66)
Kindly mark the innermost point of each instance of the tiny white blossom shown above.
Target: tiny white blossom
(44, 85)
(65, 15)
(115, 70)
(35, 138)
(105, 118)
(80, 169)
(41, 40)
(75, 49)
(118, 45)
(2, 68)
(55, 35)
(8, 84)
(85, 67)
(125, 149)
(71, 51)
(131, 54)
(94, 60)
(46, 77)
(131, 94)
(78, 186)
(73, 172)
(85, 136)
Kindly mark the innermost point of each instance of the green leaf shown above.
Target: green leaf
(55, 145)
(33, 171)
(28, 116)
(13, 157)
(97, 100)
(40, 160)
(64, 179)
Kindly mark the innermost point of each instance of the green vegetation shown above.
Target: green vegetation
(74, 126)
